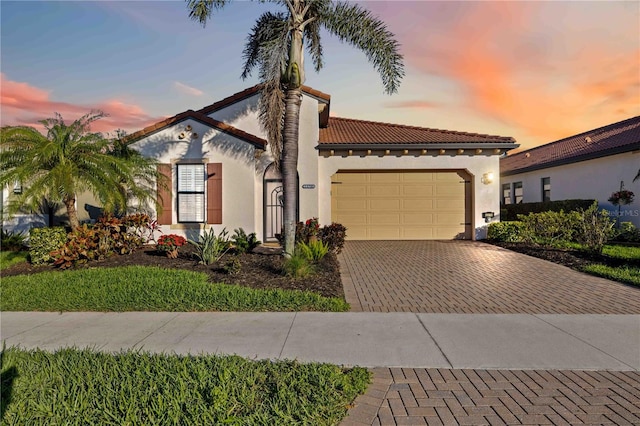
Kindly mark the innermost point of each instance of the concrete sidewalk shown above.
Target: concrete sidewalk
(459, 341)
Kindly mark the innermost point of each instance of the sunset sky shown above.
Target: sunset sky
(537, 71)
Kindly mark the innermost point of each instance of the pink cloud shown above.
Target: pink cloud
(188, 90)
(549, 70)
(415, 104)
(23, 104)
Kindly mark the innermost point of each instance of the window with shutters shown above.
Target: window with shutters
(191, 196)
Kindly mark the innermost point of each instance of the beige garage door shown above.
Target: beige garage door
(401, 205)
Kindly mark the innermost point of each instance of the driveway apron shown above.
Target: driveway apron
(471, 277)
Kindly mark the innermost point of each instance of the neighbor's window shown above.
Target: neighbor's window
(546, 189)
(517, 192)
(506, 193)
(191, 201)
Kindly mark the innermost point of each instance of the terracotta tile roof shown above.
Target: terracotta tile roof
(615, 138)
(198, 116)
(252, 91)
(346, 131)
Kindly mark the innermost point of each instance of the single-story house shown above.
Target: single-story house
(382, 181)
(590, 165)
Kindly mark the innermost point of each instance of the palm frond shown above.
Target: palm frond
(201, 10)
(266, 39)
(271, 115)
(637, 176)
(314, 44)
(355, 25)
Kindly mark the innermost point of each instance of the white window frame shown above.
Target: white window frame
(518, 198)
(190, 193)
(506, 188)
(546, 188)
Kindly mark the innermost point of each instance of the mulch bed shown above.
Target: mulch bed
(571, 258)
(261, 269)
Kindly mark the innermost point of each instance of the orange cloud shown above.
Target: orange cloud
(23, 104)
(548, 70)
(415, 104)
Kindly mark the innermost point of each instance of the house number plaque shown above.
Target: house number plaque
(308, 186)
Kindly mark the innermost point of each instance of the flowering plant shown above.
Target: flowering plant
(312, 225)
(170, 242)
(621, 197)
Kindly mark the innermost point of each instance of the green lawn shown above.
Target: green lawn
(628, 275)
(631, 253)
(83, 387)
(139, 288)
(10, 258)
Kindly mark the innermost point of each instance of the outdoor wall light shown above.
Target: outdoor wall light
(487, 216)
(181, 135)
(487, 178)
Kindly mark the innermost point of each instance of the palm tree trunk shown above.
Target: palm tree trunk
(70, 204)
(289, 165)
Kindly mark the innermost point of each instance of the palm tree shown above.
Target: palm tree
(276, 45)
(67, 161)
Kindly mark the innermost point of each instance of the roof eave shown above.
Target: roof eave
(571, 160)
(395, 146)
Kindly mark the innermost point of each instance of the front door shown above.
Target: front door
(273, 203)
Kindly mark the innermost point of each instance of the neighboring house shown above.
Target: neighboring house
(382, 181)
(590, 165)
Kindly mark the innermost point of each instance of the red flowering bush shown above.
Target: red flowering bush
(167, 243)
(312, 226)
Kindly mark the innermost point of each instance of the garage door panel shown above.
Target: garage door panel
(385, 178)
(384, 233)
(350, 190)
(400, 205)
(414, 190)
(417, 233)
(384, 190)
(417, 219)
(384, 204)
(422, 177)
(357, 204)
(417, 204)
(385, 219)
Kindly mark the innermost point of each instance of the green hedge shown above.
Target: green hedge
(42, 241)
(510, 232)
(510, 212)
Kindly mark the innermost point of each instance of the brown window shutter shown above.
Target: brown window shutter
(214, 193)
(165, 196)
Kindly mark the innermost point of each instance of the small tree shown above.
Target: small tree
(67, 161)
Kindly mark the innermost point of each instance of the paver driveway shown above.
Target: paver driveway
(471, 277)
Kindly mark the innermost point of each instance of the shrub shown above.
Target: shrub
(169, 244)
(510, 212)
(510, 232)
(333, 236)
(122, 236)
(83, 244)
(297, 266)
(243, 243)
(313, 251)
(232, 266)
(43, 241)
(211, 247)
(549, 227)
(12, 241)
(594, 229)
(627, 233)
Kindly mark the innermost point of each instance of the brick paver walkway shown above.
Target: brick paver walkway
(471, 277)
(496, 397)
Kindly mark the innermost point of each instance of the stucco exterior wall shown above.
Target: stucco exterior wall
(592, 179)
(484, 196)
(210, 146)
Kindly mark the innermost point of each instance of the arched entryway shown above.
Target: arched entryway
(273, 210)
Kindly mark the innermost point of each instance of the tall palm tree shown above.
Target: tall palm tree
(276, 46)
(69, 160)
